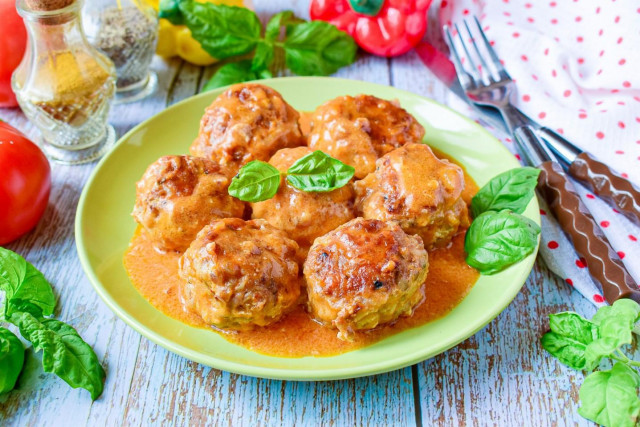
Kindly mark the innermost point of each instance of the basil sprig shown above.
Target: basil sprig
(499, 236)
(256, 181)
(316, 172)
(608, 397)
(11, 360)
(28, 299)
(497, 240)
(306, 48)
(511, 190)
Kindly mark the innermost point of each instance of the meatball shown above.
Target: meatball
(358, 130)
(303, 215)
(363, 274)
(239, 274)
(246, 122)
(178, 195)
(420, 192)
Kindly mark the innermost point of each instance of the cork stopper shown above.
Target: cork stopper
(48, 5)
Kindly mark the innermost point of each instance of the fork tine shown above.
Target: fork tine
(460, 71)
(475, 47)
(472, 64)
(492, 53)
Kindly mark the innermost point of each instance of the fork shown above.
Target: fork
(483, 86)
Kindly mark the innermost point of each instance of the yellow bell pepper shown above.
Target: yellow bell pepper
(177, 40)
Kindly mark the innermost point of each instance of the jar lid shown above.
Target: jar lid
(48, 5)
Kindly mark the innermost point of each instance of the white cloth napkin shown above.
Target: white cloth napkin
(576, 65)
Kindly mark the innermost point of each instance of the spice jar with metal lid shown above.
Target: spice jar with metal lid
(127, 32)
(63, 84)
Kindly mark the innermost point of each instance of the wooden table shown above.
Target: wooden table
(501, 375)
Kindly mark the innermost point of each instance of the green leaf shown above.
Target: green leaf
(318, 48)
(235, 72)
(319, 172)
(286, 19)
(570, 334)
(11, 360)
(497, 240)
(610, 397)
(63, 352)
(223, 31)
(170, 10)
(256, 181)
(21, 282)
(263, 57)
(511, 190)
(615, 325)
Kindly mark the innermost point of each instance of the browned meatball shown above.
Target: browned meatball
(303, 215)
(363, 274)
(239, 274)
(178, 195)
(358, 130)
(246, 122)
(420, 192)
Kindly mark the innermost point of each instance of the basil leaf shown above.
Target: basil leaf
(511, 190)
(235, 72)
(610, 397)
(23, 283)
(11, 360)
(570, 334)
(223, 31)
(497, 240)
(319, 172)
(263, 57)
(256, 181)
(170, 10)
(286, 19)
(63, 352)
(615, 325)
(318, 48)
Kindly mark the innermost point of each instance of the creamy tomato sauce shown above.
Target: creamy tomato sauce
(155, 276)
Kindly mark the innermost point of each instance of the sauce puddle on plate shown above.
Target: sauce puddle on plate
(155, 276)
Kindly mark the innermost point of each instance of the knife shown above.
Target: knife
(603, 181)
(554, 186)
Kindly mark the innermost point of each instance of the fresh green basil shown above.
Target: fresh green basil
(170, 10)
(318, 48)
(11, 360)
(319, 172)
(263, 56)
(21, 283)
(512, 190)
(569, 337)
(63, 352)
(235, 72)
(284, 19)
(256, 181)
(222, 31)
(610, 398)
(497, 240)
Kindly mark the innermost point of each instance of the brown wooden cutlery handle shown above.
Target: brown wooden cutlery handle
(608, 185)
(602, 260)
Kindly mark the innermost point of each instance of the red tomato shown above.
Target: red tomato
(25, 183)
(13, 41)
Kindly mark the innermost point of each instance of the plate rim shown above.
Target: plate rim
(271, 372)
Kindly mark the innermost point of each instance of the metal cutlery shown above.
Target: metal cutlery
(602, 260)
(486, 83)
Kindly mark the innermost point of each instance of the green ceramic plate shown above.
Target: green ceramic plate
(104, 227)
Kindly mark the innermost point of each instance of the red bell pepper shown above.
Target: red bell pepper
(381, 27)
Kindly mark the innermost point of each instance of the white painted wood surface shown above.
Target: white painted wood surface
(500, 376)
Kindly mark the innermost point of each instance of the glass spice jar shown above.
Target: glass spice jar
(64, 85)
(127, 32)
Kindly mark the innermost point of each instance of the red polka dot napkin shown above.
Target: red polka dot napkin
(576, 64)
